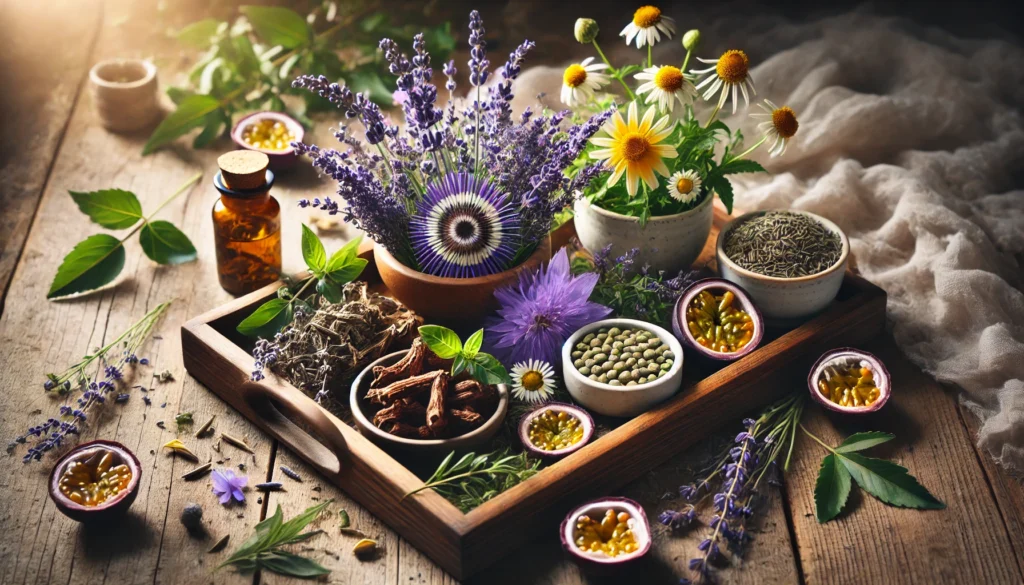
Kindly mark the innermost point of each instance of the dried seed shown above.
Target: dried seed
(206, 426)
(198, 472)
(353, 532)
(365, 548)
(241, 444)
(270, 486)
(219, 546)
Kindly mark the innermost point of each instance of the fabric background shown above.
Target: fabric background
(912, 140)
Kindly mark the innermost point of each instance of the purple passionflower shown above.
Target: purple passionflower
(227, 485)
(541, 311)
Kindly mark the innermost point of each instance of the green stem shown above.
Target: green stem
(616, 75)
(714, 113)
(686, 61)
(819, 441)
(195, 178)
(650, 63)
(476, 134)
(749, 150)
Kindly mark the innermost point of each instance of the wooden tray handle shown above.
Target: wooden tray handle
(300, 423)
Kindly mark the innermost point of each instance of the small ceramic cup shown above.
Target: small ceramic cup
(785, 299)
(621, 401)
(124, 94)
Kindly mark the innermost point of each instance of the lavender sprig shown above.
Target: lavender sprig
(107, 375)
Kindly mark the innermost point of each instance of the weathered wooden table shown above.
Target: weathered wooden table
(52, 143)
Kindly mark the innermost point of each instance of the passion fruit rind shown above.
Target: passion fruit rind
(279, 159)
(682, 332)
(600, 563)
(849, 354)
(109, 509)
(584, 417)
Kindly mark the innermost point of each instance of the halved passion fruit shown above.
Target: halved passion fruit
(556, 429)
(270, 133)
(606, 534)
(850, 380)
(717, 319)
(95, 481)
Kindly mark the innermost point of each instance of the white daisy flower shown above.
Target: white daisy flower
(780, 126)
(729, 72)
(684, 186)
(647, 27)
(581, 80)
(533, 381)
(665, 85)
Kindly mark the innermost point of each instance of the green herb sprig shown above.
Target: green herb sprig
(264, 550)
(329, 274)
(97, 260)
(467, 357)
(474, 479)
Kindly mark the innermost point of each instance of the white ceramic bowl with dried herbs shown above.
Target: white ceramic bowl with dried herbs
(786, 298)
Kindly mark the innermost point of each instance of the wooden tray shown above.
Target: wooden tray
(465, 543)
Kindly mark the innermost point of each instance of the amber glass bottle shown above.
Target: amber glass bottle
(246, 223)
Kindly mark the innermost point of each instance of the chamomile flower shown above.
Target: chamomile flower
(665, 85)
(581, 80)
(684, 186)
(780, 126)
(729, 72)
(633, 148)
(647, 27)
(533, 381)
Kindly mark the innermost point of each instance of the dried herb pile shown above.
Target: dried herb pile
(783, 244)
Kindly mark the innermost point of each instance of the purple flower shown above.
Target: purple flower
(227, 485)
(678, 520)
(541, 311)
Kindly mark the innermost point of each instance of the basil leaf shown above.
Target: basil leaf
(166, 244)
(198, 33)
(329, 290)
(460, 364)
(313, 252)
(444, 342)
(191, 113)
(472, 345)
(888, 482)
(113, 209)
(487, 369)
(267, 320)
(831, 489)
(211, 131)
(862, 441)
(279, 26)
(94, 262)
(291, 565)
(345, 255)
(348, 272)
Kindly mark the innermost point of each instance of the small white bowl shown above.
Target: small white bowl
(785, 298)
(622, 401)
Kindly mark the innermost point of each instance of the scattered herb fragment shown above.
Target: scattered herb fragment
(164, 376)
(473, 479)
(291, 473)
(183, 419)
(147, 400)
(176, 446)
(206, 427)
(344, 520)
(122, 398)
(197, 472)
(240, 443)
(265, 549)
(270, 486)
(220, 544)
(365, 548)
(192, 518)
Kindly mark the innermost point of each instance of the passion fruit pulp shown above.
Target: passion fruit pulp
(556, 429)
(94, 481)
(272, 134)
(850, 380)
(717, 319)
(606, 534)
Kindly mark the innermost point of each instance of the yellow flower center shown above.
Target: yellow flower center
(646, 16)
(733, 66)
(575, 75)
(634, 147)
(533, 381)
(684, 185)
(669, 78)
(784, 120)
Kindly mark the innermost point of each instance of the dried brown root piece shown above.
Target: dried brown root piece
(402, 388)
(468, 417)
(406, 409)
(410, 365)
(437, 419)
(409, 431)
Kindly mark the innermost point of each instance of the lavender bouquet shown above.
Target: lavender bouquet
(459, 192)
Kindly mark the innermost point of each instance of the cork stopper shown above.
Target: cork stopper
(243, 169)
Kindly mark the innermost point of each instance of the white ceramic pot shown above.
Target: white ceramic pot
(124, 94)
(669, 242)
(622, 401)
(785, 299)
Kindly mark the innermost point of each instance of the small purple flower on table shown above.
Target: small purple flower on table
(228, 486)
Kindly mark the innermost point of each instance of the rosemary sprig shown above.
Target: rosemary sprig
(474, 479)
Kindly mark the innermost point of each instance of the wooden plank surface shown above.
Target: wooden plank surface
(978, 539)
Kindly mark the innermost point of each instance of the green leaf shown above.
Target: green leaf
(211, 130)
(313, 251)
(831, 489)
(94, 262)
(444, 342)
(460, 364)
(741, 165)
(473, 344)
(862, 441)
(114, 209)
(191, 114)
(487, 369)
(267, 320)
(329, 290)
(723, 187)
(291, 565)
(344, 255)
(286, 67)
(166, 244)
(198, 33)
(369, 82)
(349, 272)
(294, 526)
(888, 482)
(279, 26)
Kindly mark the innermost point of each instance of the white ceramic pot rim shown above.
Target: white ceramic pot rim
(148, 67)
(839, 265)
(708, 199)
(665, 336)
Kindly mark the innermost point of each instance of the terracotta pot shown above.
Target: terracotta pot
(668, 242)
(450, 301)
